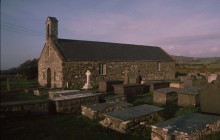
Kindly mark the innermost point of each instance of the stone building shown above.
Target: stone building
(63, 62)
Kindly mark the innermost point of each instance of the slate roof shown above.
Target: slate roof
(79, 50)
(52, 19)
(188, 123)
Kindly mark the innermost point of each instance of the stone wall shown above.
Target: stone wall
(130, 119)
(130, 125)
(49, 59)
(72, 103)
(74, 72)
(95, 111)
(164, 98)
(200, 134)
(25, 106)
(59, 93)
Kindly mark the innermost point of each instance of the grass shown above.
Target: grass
(17, 92)
(18, 96)
(18, 85)
(65, 126)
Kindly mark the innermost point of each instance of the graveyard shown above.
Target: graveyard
(32, 112)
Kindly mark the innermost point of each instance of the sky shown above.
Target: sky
(180, 27)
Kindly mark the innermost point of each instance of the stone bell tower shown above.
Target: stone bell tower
(51, 28)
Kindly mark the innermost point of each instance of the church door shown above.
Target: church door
(48, 77)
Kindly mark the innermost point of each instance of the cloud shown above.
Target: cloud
(215, 49)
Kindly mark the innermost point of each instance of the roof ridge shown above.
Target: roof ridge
(108, 42)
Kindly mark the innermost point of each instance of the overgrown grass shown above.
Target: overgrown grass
(18, 85)
(17, 92)
(18, 96)
(65, 127)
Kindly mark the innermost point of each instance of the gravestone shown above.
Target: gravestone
(193, 126)
(165, 95)
(209, 99)
(130, 119)
(188, 97)
(212, 77)
(87, 84)
(187, 83)
(95, 111)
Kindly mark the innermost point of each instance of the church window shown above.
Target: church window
(158, 66)
(44, 75)
(102, 69)
(48, 51)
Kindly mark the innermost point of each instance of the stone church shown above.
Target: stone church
(63, 62)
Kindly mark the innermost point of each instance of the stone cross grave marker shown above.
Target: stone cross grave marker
(87, 84)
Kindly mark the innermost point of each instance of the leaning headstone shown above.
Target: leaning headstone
(209, 99)
(87, 84)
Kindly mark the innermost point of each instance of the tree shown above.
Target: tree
(29, 69)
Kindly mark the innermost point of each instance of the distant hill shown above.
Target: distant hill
(195, 60)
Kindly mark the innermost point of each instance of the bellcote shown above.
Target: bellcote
(51, 28)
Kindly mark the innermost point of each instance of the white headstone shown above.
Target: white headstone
(212, 77)
(87, 84)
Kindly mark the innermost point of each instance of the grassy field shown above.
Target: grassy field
(17, 91)
(18, 85)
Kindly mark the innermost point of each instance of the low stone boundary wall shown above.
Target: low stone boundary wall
(72, 103)
(95, 111)
(191, 126)
(43, 91)
(130, 119)
(107, 86)
(25, 106)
